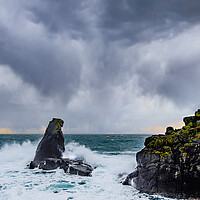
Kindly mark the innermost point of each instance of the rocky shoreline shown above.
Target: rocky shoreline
(169, 164)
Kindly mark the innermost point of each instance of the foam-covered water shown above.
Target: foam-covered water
(112, 155)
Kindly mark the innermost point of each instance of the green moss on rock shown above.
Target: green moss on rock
(59, 122)
(169, 130)
(188, 120)
(175, 140)
(197, 113)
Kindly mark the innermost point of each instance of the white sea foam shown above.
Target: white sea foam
(18, 182)
(75, 151)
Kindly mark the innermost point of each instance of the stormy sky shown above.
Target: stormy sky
(103, 66)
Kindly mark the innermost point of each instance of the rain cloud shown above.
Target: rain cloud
(103, 66)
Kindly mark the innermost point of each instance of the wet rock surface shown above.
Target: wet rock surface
(49, 153)
(169, 165)
(52, 144)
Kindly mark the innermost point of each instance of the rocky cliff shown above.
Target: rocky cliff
(169, 164)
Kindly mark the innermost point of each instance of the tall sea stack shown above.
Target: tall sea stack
(169, 165)
(52, 144)
(48, 155)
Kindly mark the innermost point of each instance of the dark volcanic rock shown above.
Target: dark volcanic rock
(130, 178)
(49, 152)
(76, 167)
(68, 165)
(169, 164)
(52, 144)
(50, 164)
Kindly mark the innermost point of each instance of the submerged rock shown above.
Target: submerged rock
(49, 152)
(169, 164)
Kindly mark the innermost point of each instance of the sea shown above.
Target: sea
(112, 156)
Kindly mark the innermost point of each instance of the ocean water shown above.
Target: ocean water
(112, 155)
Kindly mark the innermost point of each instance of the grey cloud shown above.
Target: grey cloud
(145, 20)
(62, 16)
(181, 82)
(129, 20)
(42, 63)
(74, 51)
(178, 79)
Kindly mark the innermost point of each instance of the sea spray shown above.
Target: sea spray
(15, 152)
(79, 152)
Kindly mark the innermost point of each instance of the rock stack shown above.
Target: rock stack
(49, 152)
(169, 165)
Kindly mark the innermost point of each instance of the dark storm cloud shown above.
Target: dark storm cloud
(100, 57)
(61, 15)
(40, 60)
(145, 20)
(41, 64)
(126, 20)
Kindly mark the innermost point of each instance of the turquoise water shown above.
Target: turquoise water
(113, 155)
(100, 143)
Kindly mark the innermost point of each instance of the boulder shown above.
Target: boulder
(197, 114)
(130, 178)
(68, 165)
(76, 167)
(49, 153)
(169, 165)
(190, 119)
(169, 130)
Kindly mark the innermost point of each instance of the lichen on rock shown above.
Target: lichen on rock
(169, 164)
